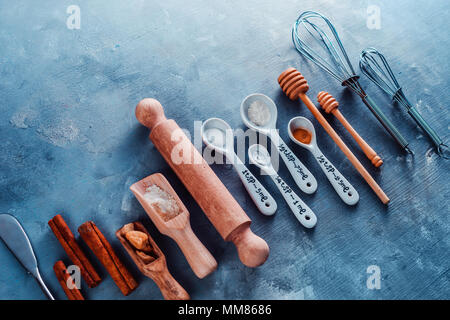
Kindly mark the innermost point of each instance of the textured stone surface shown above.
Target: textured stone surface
(70, 143)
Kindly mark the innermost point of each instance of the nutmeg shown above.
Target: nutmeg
(139, 240)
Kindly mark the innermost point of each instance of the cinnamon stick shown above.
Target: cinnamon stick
(63, 278)
(73, 250)
(105, 253)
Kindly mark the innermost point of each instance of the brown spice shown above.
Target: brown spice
(105, 253)
(146, 258)
(302, 135)
(64, 278)
(139, 240)
(73, 250)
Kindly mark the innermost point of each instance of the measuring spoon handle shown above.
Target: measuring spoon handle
(263, 200)
(302, 212)
(343, 188)
(301, 175)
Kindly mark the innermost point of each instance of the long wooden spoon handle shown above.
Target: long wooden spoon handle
(330, 105)
(362, 171)
(295, 86)
(368, 151)
(198, 257)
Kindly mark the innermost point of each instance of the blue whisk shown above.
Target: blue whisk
(375, 66)
(336, 62)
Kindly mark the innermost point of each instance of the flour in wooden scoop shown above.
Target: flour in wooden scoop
(166, 205)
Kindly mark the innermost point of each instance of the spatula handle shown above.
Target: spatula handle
(44, 288)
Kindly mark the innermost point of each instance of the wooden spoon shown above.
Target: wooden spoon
(177, 228)
(156, 270)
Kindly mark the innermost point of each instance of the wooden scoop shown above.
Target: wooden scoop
(178, 228)
(212, 196)
(155, 270)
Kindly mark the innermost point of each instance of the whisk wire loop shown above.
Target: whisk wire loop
(375, 66)
(336, 63)
(340, 67)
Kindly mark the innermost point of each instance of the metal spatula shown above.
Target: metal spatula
(15, 238)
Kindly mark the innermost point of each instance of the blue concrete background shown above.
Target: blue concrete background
(70, 142)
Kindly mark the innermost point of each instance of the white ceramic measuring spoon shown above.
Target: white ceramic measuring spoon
(343, 188)
(260, 157)
(217, 134)
(301, 175)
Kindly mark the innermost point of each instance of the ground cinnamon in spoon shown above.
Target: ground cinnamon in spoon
(302, 135)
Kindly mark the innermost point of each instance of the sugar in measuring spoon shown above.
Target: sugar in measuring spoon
(217, 134)
(301, 131)
(301, 175)
(260, 157)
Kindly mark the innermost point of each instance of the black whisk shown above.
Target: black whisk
(375, 66)
(336, 62)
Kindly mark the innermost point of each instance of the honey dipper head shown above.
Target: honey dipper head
(149, 112)
(292, 83)
(327, 102)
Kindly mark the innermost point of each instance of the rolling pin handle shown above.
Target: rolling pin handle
(149, 112)
(253, 251)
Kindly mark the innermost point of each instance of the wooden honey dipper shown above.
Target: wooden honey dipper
(330, 105)
(205, 187)
(295, 86)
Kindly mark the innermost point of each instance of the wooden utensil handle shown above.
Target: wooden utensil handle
(330, 105)
(368, 151)
(213, 197)
(170, 288)
(359, 167)
(253, 251)
(198, 257)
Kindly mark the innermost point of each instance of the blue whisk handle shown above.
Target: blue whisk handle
(386, 123)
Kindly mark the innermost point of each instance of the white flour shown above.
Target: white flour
(259, 113)
(167, 205)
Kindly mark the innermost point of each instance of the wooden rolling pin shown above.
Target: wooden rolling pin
(178, 227)
(205, 187)
(295, 86)
(156, 267)
(330, 105)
